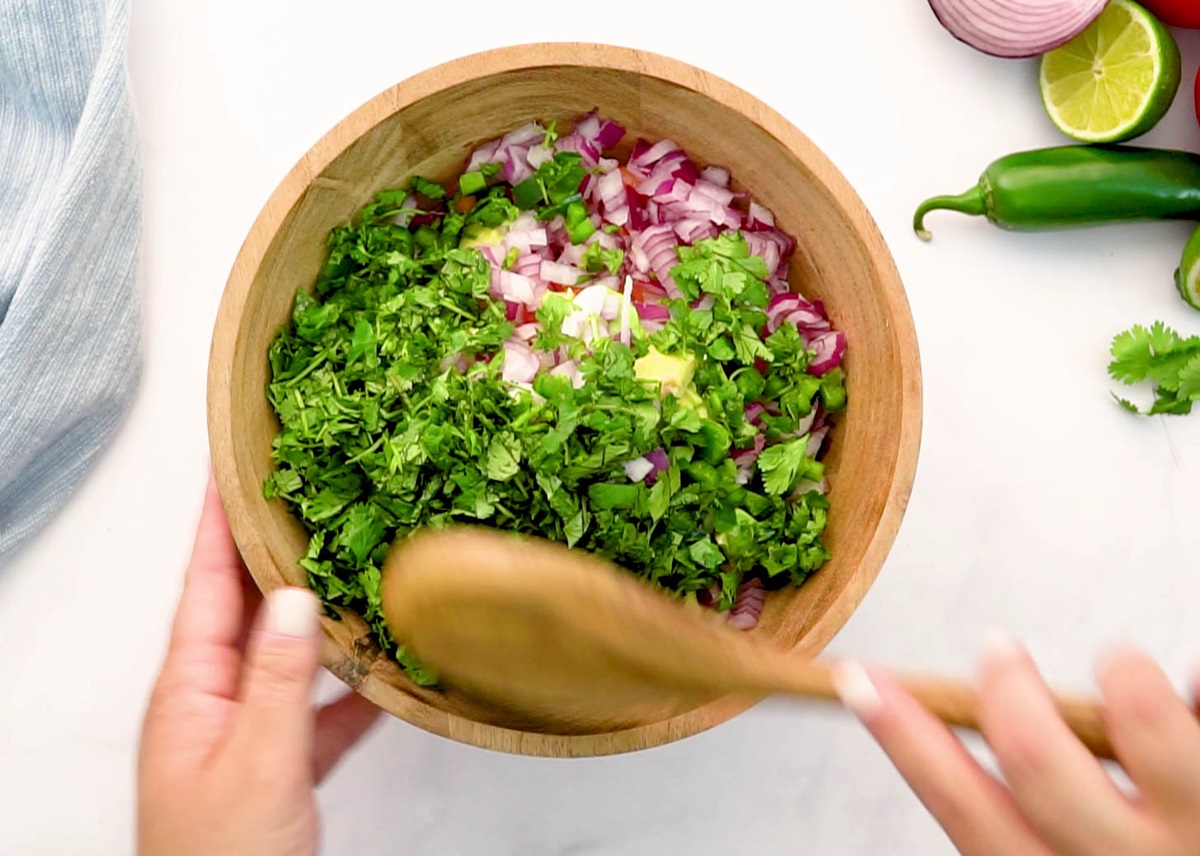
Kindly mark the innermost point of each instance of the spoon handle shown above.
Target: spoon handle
(956, 703)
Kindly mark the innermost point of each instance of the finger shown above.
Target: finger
(1061, 788)
(276, 720)
(975, 810)
(1154, 733)
(210, 616)
(252, 602)
(341, 724)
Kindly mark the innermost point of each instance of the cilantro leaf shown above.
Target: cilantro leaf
(785, 463)
(426, 188)
(1162, 357)
(597, 259)
(504, 457)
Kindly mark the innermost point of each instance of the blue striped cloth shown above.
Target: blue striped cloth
(70, 220)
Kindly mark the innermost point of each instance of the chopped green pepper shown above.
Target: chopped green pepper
(470, 183)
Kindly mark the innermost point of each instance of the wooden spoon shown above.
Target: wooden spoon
(562, 642)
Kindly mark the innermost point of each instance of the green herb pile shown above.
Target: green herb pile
(383, 430)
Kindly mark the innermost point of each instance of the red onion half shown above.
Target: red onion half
(1016, 28)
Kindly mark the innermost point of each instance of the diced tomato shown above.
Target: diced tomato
(638, 292)
(1176, 13)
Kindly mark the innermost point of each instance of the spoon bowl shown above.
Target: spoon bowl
(561, 641)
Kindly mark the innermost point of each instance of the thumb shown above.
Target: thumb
(276, 716)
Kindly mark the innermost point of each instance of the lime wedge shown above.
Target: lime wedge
(1187, 278)
(1115, 80)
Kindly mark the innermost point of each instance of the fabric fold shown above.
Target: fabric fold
(70, 225)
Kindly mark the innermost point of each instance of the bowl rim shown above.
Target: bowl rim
(489, 63)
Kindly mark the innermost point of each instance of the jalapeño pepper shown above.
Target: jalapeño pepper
(1071, 186)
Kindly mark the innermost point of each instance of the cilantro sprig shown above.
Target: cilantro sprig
(1159, 356)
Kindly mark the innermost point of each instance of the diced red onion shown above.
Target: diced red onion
(830, 348)
(520, 363)
(658, 244)
(525, 240)
(607, 241)
(652, 312)
(408, 210)
(808, 321)
(748, 607)
(523, 135)
(722, 196)
(539, 155)
(649, 288)
(637, 257)
(645, 159)
(778, 285)
(599, 300)
(718, 175)
(526, 332)
(815, 441)
(569, 369)
(572, 254)
(638, 218)
(638, 469)
(692, 231)
(609, 135)
(1016, 28)
(658, 458)
(759, 218)
(784, 306)
(516, 287)
(576, 143)
(562, 274)
(528, 265)
(484, 154)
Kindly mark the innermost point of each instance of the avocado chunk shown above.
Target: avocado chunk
(480, 236)
(672, 372)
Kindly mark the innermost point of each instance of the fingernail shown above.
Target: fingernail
(1000, 648)
(856, 690)
(292, 612)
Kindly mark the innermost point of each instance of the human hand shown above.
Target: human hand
(231, 747)
(1055, 796)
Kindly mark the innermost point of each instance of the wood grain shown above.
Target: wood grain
(428, 124)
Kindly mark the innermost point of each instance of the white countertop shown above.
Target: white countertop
(1040, 507)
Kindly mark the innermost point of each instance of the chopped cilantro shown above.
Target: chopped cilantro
(394, 414)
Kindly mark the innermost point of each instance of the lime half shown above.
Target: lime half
(1187, 278)
(1115, 80)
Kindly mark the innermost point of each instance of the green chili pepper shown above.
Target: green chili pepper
(1070, 186)
(579, 227)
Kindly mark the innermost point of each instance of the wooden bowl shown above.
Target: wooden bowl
(428, 124)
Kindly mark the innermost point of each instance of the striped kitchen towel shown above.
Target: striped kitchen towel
(70, 221)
